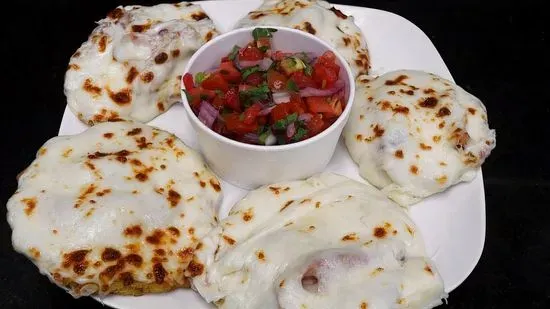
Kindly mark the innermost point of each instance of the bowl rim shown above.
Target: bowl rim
(264, 148)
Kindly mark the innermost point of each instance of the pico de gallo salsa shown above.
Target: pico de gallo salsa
(262, 96)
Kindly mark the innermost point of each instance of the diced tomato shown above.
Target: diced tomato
(234, 124)
(196, 95)
(329, 108)
(296, 105)
(254, 79)
(215, 82)
(250, 53)
(263, 42)
(276, 80)
(188, 81)
(262, 120)
(225, 59)
(315, 125)
(251, 113)
(217, 102)
(229, 72)
(328, 60)
(278, 55)
(232, 100)
(323, 76)
(302, 80)
(244, 87)
(279, 112)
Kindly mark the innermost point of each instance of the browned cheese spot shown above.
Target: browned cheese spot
(361, 117)
(398, 80)
(147, 77)
(410, 230)
(400, 110)
(142, 177)
(199, 16)
(35, 253)
(110, 254)
(134, 259)
(306, 200)
(472, 110)
(76, 55)
(77, 259)
(132, 74)
(364, 305)
(30, 205)
(425, 147)
(409, 92)
(173, 197)
(195, 268)
(174, 231)
(441, 179)
(160, 106)
(191, 231)
(260, 255)
(338, 13)
(248, 214)
(282, 283)
(102, 44)
(428, 91)
(380, 232)
(275, 190)
(444, 111)
(429, 102)
(73, 66)
(209, 36)
(103, 192)
(133, 231)
(286, 205)
(175, 53)
(116, 13)
(428, 269)
(142, 142)
(229, 240)
(107, 135)
(126, 278)
(215, 185)
(54, 231)
(159, 273)
(110, 272)
(346, 40)
(155, 238)
(386, 105)
(161, 58)
(122, 97)
(256, 15)
(186, 254)
(309, 28)
(436, 138)
(359, 137)
(202, 184)
(140, 28)
(89, 86)
(317, 204)
(350, 237)
(413, 169)
(399, 154)
(89, 190)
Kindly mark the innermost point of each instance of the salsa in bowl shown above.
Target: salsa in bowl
(259, 95)
(268, 104)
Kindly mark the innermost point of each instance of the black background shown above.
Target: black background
(495, 50)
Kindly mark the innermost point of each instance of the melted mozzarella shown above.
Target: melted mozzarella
(327, 242)
(318, 18)
(118, 198)
(130, 66)
(414, 134)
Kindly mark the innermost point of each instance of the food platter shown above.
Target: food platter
(452, 223)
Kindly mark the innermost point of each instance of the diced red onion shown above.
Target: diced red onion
(265, 64)
(207, 114)
(305, 117)
(266, 111)
(244, 87)
(281, 97)
(270, 140)
(246, 64)
(314, 92)
(290, 130)
(251, 138)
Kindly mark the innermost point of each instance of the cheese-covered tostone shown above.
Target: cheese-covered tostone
(319, 18)
(326, 242)
(131, 65)
(414, 134)
(119, 208)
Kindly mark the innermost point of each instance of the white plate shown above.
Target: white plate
(453, 222)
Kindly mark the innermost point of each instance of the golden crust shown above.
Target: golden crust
(121, 287)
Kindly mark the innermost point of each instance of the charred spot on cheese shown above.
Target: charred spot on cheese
(359, 137)
(413, 169)
(286, 205)
(248, 214)
(103, 192)
(380, 232)
(195, 268)
(110, 254)
(260, 255)
(363, 305)
(317, 204)
(215, 185)
(132, 74)
(399, 154)
(173, 198)
(110, 272)
(472, 110)
(107, 135)
(126, 278)
(155, 238)
(409, 92)
(35, 253)
(209, 36)
(428, 269)
(350, 237)
(391, 92)
(282, 283)
(441, 179)
(229, 240)
(174, 231)
(199, 16)
(141, 28)
(309, 28)
(30, 205)
(134, 259)
(442, 112)
(346, 40)
(147, 77)
(142, 142)
(425, 147)
(428, 91)
(398, 80)
(429, 102)
(338, 13)
(121, 97)
(160, 106)
(161, 58)
(89, 86)
(74, 257)
(102, 44)
(76, 55)
(306, 200)
(115, 14)
(256, 15)
(73, 66)
(400, 109)
(186, 254)
(84, 194)
(133, 231)
(159, 273)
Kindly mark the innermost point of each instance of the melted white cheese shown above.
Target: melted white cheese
(414, 134)
(113, 186)
(130, 67)
(339, 229)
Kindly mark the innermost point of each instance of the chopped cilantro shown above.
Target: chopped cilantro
(263, 136)
(204, 97)
(199, 77)
(291, 86)
(281, 139)
(300, 134)
(248, 71)
(262, 33)
(263, 48)
(283, 123)
(291, 118)
(233, 54)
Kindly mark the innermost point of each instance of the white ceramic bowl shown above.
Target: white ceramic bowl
(250, 166)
